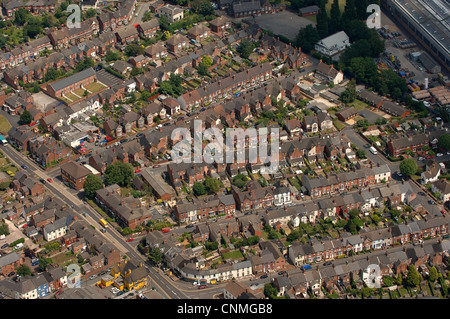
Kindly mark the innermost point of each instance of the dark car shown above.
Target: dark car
(23, 166)
(263, 276)
(124, 140)
(4, 246)
(11, 274)
(328, 263)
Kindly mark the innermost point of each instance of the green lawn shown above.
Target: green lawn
(95, 87)
(79, 92)
(358, 105)
(4, 125)
(339, 125)
(71, 97)
(234, 254)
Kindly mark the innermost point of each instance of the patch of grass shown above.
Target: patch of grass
(339, 125)
(5, 126)
(95, 87)
(235, 254)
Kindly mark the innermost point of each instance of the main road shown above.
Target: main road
(164, 285)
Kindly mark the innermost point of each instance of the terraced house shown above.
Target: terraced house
(67, 85)
(128, 211)
(204, 207)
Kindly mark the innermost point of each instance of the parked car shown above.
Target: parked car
(23, 166)
(50, 180)
(439, 154)
(4, 246)
(263, 276)
(130, 239)
(202, 286)
(156, 166)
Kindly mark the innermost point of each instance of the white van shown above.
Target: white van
(373, 150)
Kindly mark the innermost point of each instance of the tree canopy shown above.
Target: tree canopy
(119, 173)
(408, 167)
(92, 184)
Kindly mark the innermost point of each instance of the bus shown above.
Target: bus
(103, 223)
(3, 140)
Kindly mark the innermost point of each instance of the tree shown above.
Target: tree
(270, 291)
(212, 185)
(26, 117)
(408, 167)
(4, 229)
(245, 48)
(21, 16)
(206, 59)
(444, 142)
(239, 180)
(24, 270)
(202, 68)
(335, 17)
(322, 21)
(349, 95)
(119, 173)
(112, 56)
(134, 49)
(212, 245)
(199, 189)
(361, 154)
(306, 38)
(91, 185)
(413, 278)
(164, 23)
(155, 255)
(434, 274)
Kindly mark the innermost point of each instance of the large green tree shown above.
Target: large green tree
(322, 21)
(444, 142)
(91, 185)
(408, 167)
(119, 173)
(25, 117)
(335, 18)
(245, 48)
(413, 278)
(306, 38)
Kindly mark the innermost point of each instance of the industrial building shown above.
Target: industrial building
(427, 21)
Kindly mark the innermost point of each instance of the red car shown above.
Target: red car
(202, 286)
(138, 171)
(50, 180)
(130, 239)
